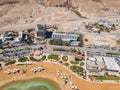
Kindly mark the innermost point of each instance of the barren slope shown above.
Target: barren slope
(29, 11)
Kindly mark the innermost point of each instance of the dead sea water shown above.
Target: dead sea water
(32, 84)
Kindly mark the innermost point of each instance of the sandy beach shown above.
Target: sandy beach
(50, 72)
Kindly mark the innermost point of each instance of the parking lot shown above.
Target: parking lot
(9, 52)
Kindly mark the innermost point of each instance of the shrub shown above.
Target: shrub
(43, 57)
(72, 62)
(66, 64)
(55, 57)
(56, 42)
(33, 59)
(22, 59)
(118, 42)
(60, 62)
(82, 64)
(76, 69)
(86, 39)
(73, 50)
(60, 49)
(77, 59)
(10, 62)
(65, 58)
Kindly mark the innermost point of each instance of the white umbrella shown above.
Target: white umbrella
(58, 71)
(71, 83)
(58, 74)
(8, 71)
(72, 86)
(62, 77)
(39, 69)
(76, 88)
(33, 69)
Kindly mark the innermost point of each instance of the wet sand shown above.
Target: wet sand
(50, 72)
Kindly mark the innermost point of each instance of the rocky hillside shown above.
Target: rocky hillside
(14, 12)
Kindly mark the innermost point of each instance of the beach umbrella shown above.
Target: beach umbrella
(39, 69)
(8, 71)
(35, 70)
(65, 82)
(58, 74)
(72, 86)
(65, 77)
(42, 68)
(62, 76)
(76, 88)
(71, 83)
(58, 71)
(14, 71)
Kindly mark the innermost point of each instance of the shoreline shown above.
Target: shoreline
(30, 75)
(50, 73)
(50, 81)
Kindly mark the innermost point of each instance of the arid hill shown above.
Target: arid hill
(14, 12)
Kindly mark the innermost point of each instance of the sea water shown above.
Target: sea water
(32, 84)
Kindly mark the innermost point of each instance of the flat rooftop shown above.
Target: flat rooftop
(111, 64)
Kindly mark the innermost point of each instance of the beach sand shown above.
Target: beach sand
(50, 72)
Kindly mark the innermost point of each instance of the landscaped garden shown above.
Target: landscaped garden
(53, 56)
(66, 64)
(65, 58)
(34, 59)
(43, 57)
(23, 59)
(10, 62)
(107, 77)
(77, 69)
(81, 64)
(58, 42)
(60, 49)
(74, 62)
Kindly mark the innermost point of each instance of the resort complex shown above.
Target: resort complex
(30, 50)
(59, 45)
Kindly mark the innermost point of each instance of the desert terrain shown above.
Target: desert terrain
(23, 14)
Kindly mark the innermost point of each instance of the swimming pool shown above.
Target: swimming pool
(74, 43)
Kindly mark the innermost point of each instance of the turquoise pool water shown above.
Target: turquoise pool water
(32, 84)
(74, 43)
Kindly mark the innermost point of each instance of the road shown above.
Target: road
(90, 51)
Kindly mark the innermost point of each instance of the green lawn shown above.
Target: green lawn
(22, 59)
(66, 64)
(77, 69)
(10, 62)
(81, 63)
(65, 58)
(43, 58)
(74, 62)
(60, 49)
(34, 59)
(109, 77)
(55, 57)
